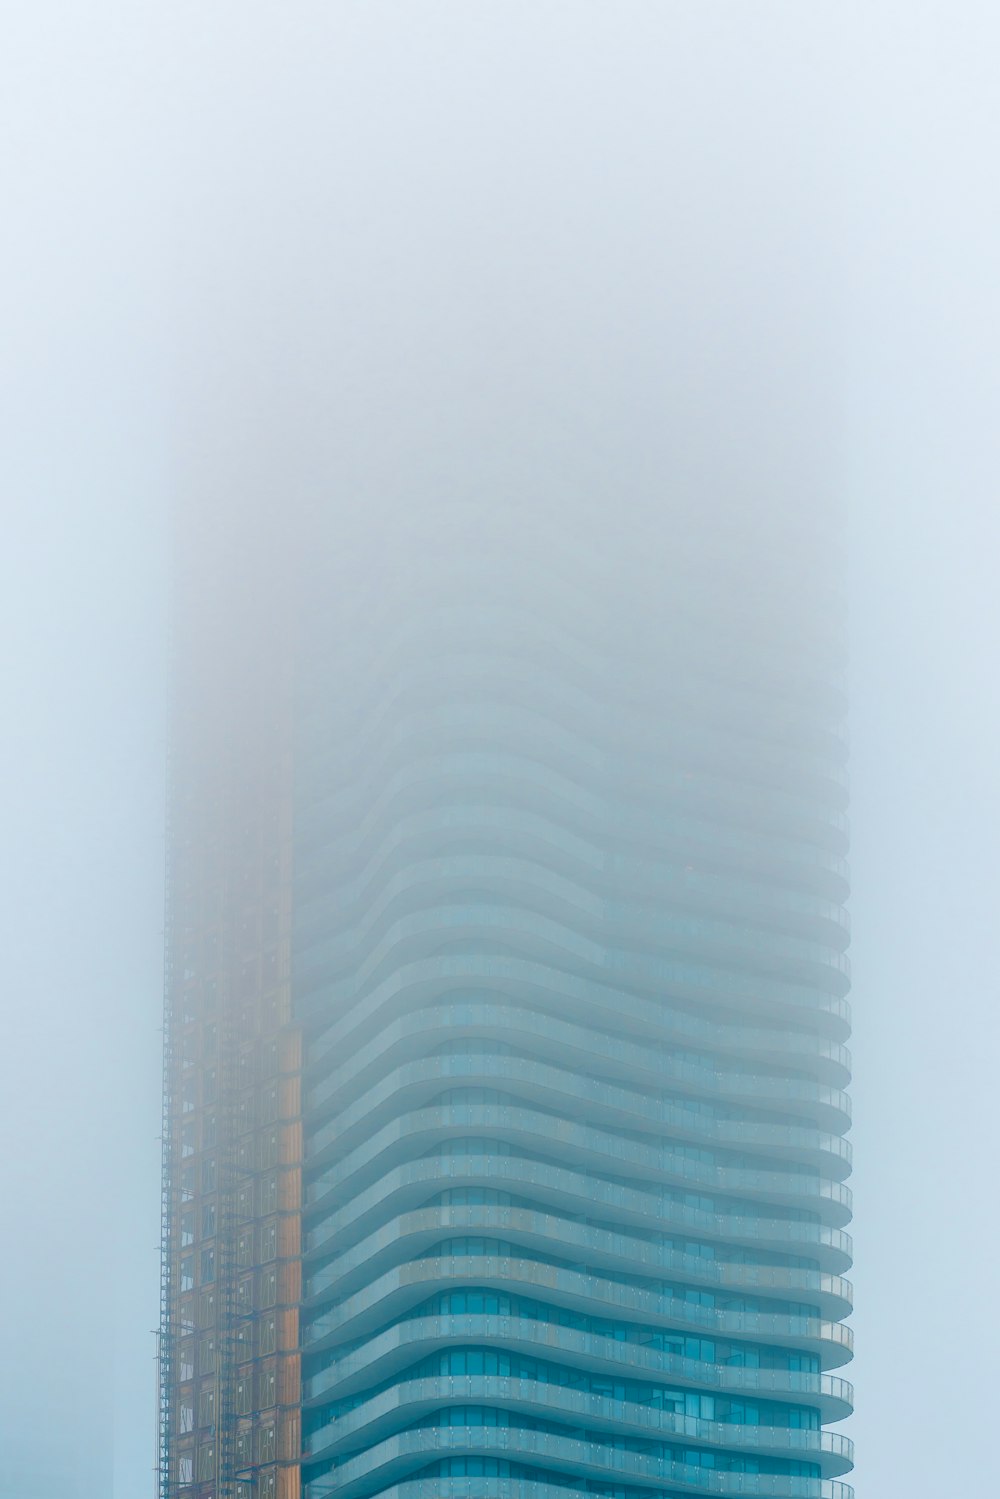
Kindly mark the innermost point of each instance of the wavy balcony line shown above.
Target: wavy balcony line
(410, 1234)
(414, 1133)
(405, 1403)
(540, 989)
(390, 1354)
(394, 1295)
(438, 817)
(391, 1090)
(406, 1186)
(635, 1052)
(485, 1486)
(388, 1462)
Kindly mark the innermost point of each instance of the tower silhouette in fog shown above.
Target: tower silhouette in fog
(504, 1136)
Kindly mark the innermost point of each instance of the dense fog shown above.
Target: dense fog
(338, 261)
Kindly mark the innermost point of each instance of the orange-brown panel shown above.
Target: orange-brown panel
(290, 1483)
(290, 1190)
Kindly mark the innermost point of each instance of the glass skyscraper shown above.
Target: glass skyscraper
(505, 1124)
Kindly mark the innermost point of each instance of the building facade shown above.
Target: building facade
(504, 1127)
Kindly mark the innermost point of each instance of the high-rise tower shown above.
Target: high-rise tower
(506, 1007)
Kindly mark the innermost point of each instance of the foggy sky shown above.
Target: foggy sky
(222, 213)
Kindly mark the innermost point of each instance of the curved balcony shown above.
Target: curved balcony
(422, 819)
(735, 960)
(347, 830)
(381, 1466)
(416, 1133)
(537, 990)
(394, 1295)
(471, 725)
(516, 876)
(387, 1093)
(564, 870)
(412, 1400)
(556, 673)
(543, 1037)
(409, 1236)
(519, 1487)
(394, 1351)
(405, 1188)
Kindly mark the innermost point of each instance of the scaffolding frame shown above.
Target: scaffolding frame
(228, 1365)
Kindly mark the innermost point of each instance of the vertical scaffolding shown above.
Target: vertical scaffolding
(165, 1335)
(229, 1375)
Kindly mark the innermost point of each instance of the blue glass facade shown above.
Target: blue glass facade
(568, 954)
